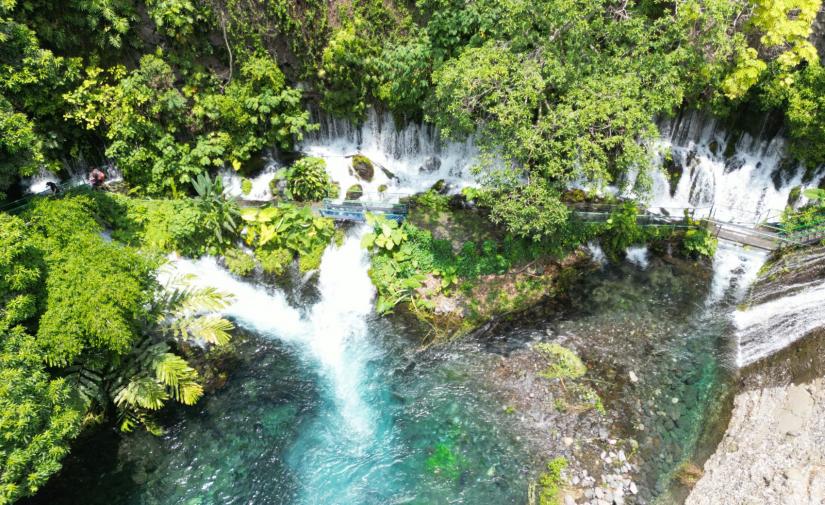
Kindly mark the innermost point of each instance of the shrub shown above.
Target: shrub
(274, 261)
(239, 262)
(551, 481)
(308, 181)
(246, 186)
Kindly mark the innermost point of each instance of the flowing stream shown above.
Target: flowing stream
(330, 404)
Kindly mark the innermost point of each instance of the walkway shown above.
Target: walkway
(356, 210)
(757, 232)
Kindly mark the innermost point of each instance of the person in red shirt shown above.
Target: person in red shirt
(96, 178)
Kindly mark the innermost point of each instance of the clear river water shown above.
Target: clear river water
(327, 403)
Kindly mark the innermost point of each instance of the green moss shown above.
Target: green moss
(239, 262)
(551, 482)
(354, 192)
(363, 167)
(312, 260)
(563, 363)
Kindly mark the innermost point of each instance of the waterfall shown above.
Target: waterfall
(746, 180)
(742, 179)
(331, 334)
(333, 337)
(784, 306)
(410, 158)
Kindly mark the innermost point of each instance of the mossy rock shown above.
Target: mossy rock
(274, 261)
(382, 188)
(440, 186)
(239, 262)
(246, 186)
(363, 167)
(563, 363)
(391, 176)
(355, 192)
(793, 196)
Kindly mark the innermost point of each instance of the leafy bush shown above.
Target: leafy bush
(308, 181)
(246, 186)
(286, 231)
(274, 261)
(239, 262)
(39, 417)
(698, 242)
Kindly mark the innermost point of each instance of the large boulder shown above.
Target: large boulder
(362, 167)
(355, 192)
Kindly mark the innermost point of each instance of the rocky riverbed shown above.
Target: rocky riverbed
(772, 449)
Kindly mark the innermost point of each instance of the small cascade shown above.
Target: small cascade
(769, 327)
(260, 184)
(596, 252)
(783, 306)
(38, 183)
(734, 270)
(410, 158)
(639, 256)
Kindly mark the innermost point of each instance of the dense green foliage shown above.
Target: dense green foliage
(308, 181)
(108, 337)
(279, 234)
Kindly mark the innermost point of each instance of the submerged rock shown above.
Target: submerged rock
(431, 164)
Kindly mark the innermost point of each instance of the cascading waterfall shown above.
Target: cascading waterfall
(782, 312)
(411, 158)
(332, 335)
(745, 184)
(737, 185)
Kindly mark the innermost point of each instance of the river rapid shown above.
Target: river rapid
(327, 403)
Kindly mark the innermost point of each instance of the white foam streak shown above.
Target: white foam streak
(783, 320)
(639, 256)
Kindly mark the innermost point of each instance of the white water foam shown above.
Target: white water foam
(785, 320)
(332, 334)
(260, 192)
(596, 252)
(735, 268)
(739, 188)
(639, 256)
(414, 156)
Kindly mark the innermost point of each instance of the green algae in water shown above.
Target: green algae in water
(444, 462)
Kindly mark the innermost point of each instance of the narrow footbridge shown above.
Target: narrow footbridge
(761, 231)
(356, 210)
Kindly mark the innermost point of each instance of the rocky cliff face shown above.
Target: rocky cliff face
(772, 452)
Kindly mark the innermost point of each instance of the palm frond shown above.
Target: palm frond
(143, 392)
(208, 328)
(175, 373)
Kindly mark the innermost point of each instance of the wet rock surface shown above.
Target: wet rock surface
(772, 449)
